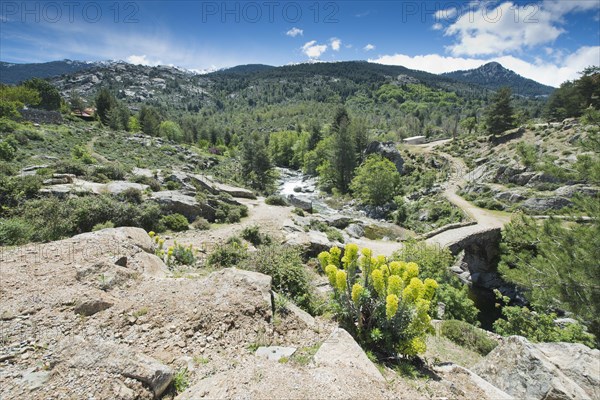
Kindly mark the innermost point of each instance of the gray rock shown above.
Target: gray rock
(528, 371)
(573, 190)
(509, 197)
(118, 187)
(545, 204)
(340, 351)
(304, 205)
(177, 202)
(275, 353)
(355, 230)
(35, 380)
(311, 243)
(339, 222)
(213, 187)
(490, 390)
(387, 150)
(142, 172)
(91, 307)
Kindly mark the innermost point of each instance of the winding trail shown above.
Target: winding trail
(485, 219)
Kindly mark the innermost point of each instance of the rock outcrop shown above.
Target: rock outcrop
(548, 371)
(387, 150)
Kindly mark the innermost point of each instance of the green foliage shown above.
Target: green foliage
(133, 125)
(528, 154)
(571, 99)
(179, 254)
(20, 94)
(337, 172)
(181, 380)
(254, 236)
(255, 162)
(468, 336)
(82, 154)
(7, 151)
(175, 222)
(15, 231)
(556, 264)
(228, 255)
(434, 263)
(170, 130)
(7, 125)
(499, 115)
(105, 101)
(201, 224)
(49, 96)
(281, 148)
(10, 109)
(149, 119)
(385, 305)
(103, 225)
(376, 181)
(290, 277)
(15, 190)
(469, 124)
(276, 200)
(539, 327)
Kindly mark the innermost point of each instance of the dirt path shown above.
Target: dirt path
(270, 219)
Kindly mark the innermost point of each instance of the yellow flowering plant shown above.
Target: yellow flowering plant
(385, 305)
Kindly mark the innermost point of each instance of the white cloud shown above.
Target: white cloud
(314, 50)
(437, 26)
(335, 43)
(489, 28)
(445, 14)
(369, 47)
(552, 74)
(295, 32)
(142, 60)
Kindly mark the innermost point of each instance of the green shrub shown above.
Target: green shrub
(82, 154)
(290, 277)
(275, 200)
(254, 236)
(468, 336)
(7, 152)
(74, 167)
(234, 216)
(228, 255)
(15, 190)
(146, 180)
(384, 305)
(180, 255)
(7, 125)
(175, 222)
(105, 225)
(150, 213)
(172, 185)
(131, 195)
(113, 172)
(434, 263)
(539, 327)
(201, 224)
(15, 231)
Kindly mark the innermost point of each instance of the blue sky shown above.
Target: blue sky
(546, 40)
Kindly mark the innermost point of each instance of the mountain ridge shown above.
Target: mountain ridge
(490, 76)
(494, 75)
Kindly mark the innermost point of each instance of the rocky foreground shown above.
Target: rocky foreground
(99, 316)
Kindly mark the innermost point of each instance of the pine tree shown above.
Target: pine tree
(499, 115)
(343, 156)
(105, 101)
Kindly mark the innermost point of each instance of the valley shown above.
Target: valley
(212, 235)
